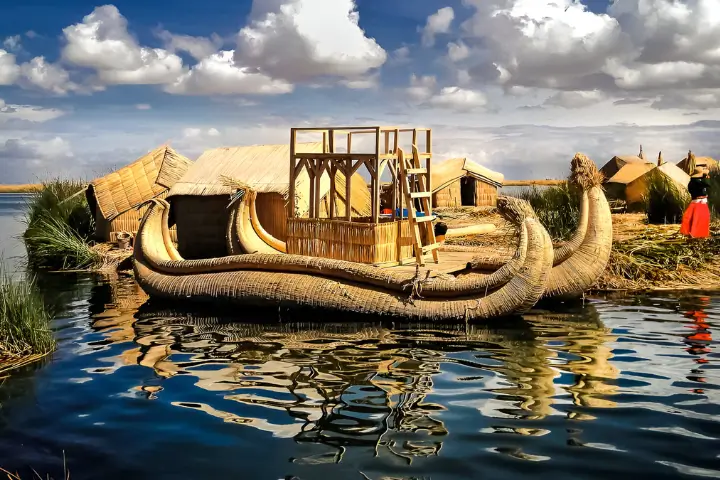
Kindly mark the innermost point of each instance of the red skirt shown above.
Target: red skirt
(696, 221)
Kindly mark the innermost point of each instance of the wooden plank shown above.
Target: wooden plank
(452, 262)
(342, 156)
(375, 217)
(348, 187)
(390, 156)
(420, 195)
(426, 218)
(416, 171)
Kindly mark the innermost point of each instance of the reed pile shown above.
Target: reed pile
(664, 202)
(59, 224)
(25, 334)
(662, 259)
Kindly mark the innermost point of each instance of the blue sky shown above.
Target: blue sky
(517, 85)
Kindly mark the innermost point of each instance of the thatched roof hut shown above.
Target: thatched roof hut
(611, 168)
(636, 190)
(200, 199)
(616, 185)
(689, 163)
(115, 197)
(462, 182)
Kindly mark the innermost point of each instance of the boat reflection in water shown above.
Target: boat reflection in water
(365, 385)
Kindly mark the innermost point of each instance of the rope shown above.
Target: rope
(416, 285)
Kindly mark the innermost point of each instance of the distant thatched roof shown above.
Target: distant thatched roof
(630, 171)
(709, 161)
(266, 169)
(445, 173)
(145, 178)
(611, 168)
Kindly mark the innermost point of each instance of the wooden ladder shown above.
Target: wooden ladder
(414, 183)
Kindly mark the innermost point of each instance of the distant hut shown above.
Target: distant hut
(115, 197)
(637, 189)
(462, 182)
(616, 186)
(200, 199)
(611, 168)
(689, 163)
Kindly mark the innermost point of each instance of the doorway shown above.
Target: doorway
(467, 191)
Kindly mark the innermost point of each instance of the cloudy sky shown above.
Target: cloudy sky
(517, 85)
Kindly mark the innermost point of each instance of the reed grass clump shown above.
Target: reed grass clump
(557, 208)
(664, 202)
(59, 224)
(25, 333)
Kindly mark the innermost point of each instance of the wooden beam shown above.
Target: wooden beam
(528, 183)
(333, 206)
(376, 185)
(293, 176)
(323, 156)
(349, 171)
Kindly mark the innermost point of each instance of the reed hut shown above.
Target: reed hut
(637, 189)
(115, 197)
(689, 163)
(200, 199)
(461, 182)
(611, 168)
(616, 186)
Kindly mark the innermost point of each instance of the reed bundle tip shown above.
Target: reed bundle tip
(584, 172)
(514, 210)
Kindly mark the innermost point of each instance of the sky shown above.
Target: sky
(519, 86)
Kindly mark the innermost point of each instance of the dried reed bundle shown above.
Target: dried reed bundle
(584, 172)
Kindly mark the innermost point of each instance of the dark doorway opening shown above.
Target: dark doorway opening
(467, 191)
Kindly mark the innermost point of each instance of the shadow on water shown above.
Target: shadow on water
(288, 395)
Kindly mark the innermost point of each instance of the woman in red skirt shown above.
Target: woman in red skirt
(696, 220)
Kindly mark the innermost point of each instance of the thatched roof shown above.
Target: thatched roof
(676, 174)
(145, 178)
(445, 173)
(611, 168)
(709, 161)
(266, 169)
(636, 189)
(630, 171)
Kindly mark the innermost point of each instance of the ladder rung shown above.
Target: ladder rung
(432, 246)
(426, 218)
(416, 170)
(420, 195)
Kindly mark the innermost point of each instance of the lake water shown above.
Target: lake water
(617, 388)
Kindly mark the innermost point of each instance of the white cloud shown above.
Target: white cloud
(696, 100)
(9, 69)
(47, 76)
(31, 34)
(28, 113)
(459, 99)
(362, 83)
(400, 56)
(103, 43)
(218, 75)
(421, 88)
(543, 44)
(458, 52)
(143, 106)
(198, 47)
(12, 43)
(576, 99)
(23, 158)
(299, 40)
(438, 22)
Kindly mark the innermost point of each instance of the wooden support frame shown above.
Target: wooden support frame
(347, 157)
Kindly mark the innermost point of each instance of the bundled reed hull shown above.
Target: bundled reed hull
(273, 279)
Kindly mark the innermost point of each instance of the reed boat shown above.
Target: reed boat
(369, 265)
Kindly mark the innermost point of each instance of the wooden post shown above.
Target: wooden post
(348, 187)
(318, 178)
(291, 184)
(395, 184)
(311, 197)
(399, 186)
(376, 181)
(332, 172)
(428, 150)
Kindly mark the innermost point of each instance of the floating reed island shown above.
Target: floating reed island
(388, 261)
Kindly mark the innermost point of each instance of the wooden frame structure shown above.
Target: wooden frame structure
(387, 239)
(341, 156)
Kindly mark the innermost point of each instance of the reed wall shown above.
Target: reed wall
(272, 213)
(451, 196)
(357, 241)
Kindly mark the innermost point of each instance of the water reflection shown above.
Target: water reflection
(698, 340)
(364, 385)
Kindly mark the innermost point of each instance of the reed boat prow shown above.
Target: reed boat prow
(579, 263)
